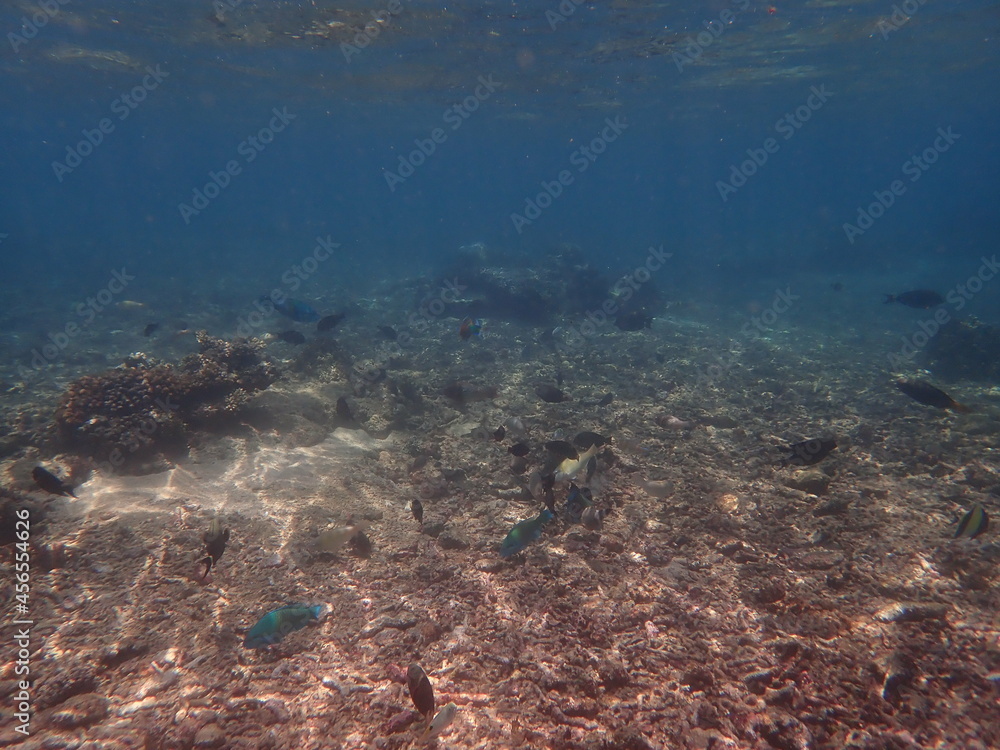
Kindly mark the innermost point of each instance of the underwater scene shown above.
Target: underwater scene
(388, 374)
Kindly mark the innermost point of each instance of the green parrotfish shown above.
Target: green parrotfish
(278, 623)
(524, 533)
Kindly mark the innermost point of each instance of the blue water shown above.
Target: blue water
(324, 174)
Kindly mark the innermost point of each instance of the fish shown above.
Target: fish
(215, 544)
(524, 533)
(593, 517)
(130, 304)
(808, 452)
(295, 309)
(421, 691)
(278, 623)
(922, 299)
(591, 468)
(344, 414)
(634, 321)
(577, 501)
(388, 332)
(586, 439)
(462, 393)
(569, 468)
(519, 449)
(441, 721)
(674, 423)
(332, 540)
(329, 322)
(606, 399)
(291, 337)
(973, 523)
(550, 394)
(52, 484)
(417, 509)
(150, 329)
(926, 394)
(499, 433)
(561, 449)
(548, 492)
(470, 327)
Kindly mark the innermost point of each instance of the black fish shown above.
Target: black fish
(519, 450)
(215, 544)
(291, 337)
(922, 299)
(926, 394)
(584, 440)
(51, 483)
(808, 452)
(417, 509)
(634, 321)
(973, 523)
(462, 393)
(344, 414)
(362, 544)
(421, 692)
(499, 434)
(329, 322)
(548, 488)
(591, 468)
(550, 394)
(561, 449)
(606, 400)
(150, 329)
(388, 332)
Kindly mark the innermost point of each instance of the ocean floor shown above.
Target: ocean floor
(726, 602)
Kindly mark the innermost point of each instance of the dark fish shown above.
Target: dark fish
(51, 483)
(215, 544)
(329, 322)
(548, 489)
(524, 533)
(922, 299)
(295, 309)
(606, 400)
(291, 337)
(150, 329)
(519, 450)
(592, 517)
(388, 332)
(578, 500)
(973, 523)
(278, 623)
(926, 394)
(585, 439)
(518, 465)
(808, 452)
(417, 509)
(344, 414)
(361, 544)
(421, 692)
(561, 449)
(591, 468)
(550, 394)
(634, 321)
(461, 393)
(499, 434)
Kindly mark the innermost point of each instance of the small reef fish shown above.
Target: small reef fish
(519, 449)
(345, 417)
(470, 327)
(569, 468)
(524, 533)
(278, 623)
(923, 392)
(921, 299)
(499, 433)
(388, 333)
(421, 691)
(329, 322)
(333, 540)
(586, 439)
(550, 394)
(577, 501)
(593, 517)
(634, 321)
(561, 449)
(52, 484)
(417, 509)
(441, 721)
(674, 423)
(973, 523)
(130, 304)
(808, 452)
(215, 544)
(462, 393)
(150, 329)
(291, 337)
(606, 399)
(295, 309)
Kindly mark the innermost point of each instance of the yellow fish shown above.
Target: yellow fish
(570, 467)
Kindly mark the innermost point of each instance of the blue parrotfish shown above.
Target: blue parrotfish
(278, 623)
(524, 533)
(295, 309)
